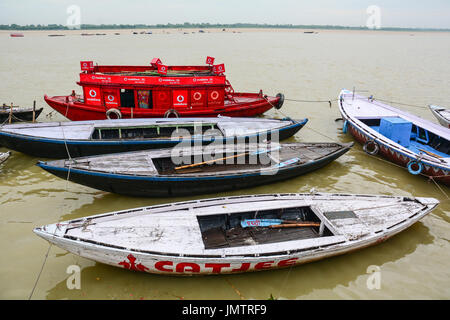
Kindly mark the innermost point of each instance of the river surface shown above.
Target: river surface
(408, 67)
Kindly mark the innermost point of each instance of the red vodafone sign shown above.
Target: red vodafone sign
(87, 65)
(180, 98)
(218, 69)
(92, 96)
(111, 98)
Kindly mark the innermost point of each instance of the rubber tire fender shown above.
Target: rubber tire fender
(410, 169)
(375, 150)
(115, 111)
(171, 111)
(280, 101)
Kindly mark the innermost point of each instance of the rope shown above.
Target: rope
(40, 272)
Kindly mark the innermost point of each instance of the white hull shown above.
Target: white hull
(92, 237)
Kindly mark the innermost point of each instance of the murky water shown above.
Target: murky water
(404, 67)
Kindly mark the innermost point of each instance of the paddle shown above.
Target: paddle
(276, 223)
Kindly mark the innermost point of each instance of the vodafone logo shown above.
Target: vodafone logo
(110, 98)
(197, 96)
(163, 68)
(85, 64)
(180, 98)
(92, 93)
(214, 95)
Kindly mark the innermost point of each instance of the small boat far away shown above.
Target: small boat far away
(185, 171)
(18, 114)
(159, 91)
(16, 35)
(442, 114)
(84, 138)
(419, 145)
(213, 236)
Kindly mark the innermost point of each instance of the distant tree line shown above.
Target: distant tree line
(199, 26)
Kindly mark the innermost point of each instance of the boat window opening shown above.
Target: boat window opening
(226, 162)
(127, 98)
(152, 132)
(145, 99)
(109, 134)
(225, 230)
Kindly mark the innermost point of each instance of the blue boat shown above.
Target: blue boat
(419, 145)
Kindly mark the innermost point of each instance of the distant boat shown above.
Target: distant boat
(206, 236)
(442, 114)
(56, 35)
(308, 32)
(16, 35)
(18, 113)
(4, 156)
(87, 34)
(198, 170)
(419, 145)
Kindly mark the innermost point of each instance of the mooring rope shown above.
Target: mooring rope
(40, 272)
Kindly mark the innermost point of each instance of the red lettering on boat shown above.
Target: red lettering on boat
(161, 264)
(264, 265)
(183, 265)
(287, 262)
(216, 267)
(244, 267)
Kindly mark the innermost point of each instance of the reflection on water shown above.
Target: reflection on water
(415, 70)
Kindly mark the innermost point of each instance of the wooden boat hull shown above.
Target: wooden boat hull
(437, 169)
(252, 106)
(168, 186)
(19, 115)
(228, 260)
(71, 148)
(437, 112)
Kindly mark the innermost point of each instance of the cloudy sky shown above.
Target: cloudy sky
(394, 13)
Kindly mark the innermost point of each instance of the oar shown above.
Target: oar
(224, 158)
(292, 225)
(430, 153)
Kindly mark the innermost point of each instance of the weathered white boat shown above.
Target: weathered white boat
(4, 156)
(423, 147)
(207, 236)
(85, 138)
(442, 114)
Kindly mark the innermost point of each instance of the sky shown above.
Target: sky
(393, 13)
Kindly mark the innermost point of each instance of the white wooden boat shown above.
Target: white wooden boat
(84, 138)
(423, 147)
(4, 156)
(442, 114)
(207, 237)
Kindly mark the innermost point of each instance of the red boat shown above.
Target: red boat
(157, 91)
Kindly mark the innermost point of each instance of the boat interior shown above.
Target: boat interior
(411, 136)
(219, 162)
(155, 131)
(225, 230)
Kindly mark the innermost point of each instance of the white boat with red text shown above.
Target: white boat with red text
(237, 234)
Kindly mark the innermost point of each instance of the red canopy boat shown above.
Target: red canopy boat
(157, 91)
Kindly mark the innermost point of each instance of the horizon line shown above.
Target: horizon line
(189, 25)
